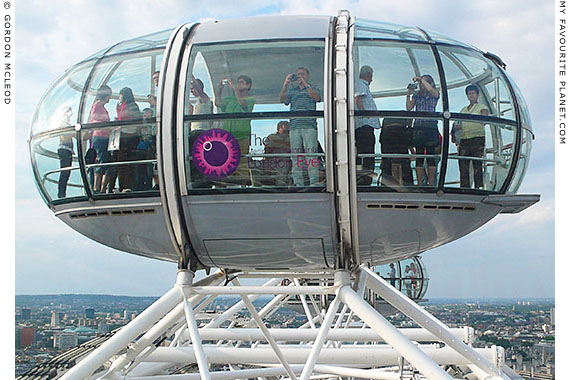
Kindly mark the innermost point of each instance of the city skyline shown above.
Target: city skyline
(492, 262)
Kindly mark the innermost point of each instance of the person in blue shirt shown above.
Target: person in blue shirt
(301, 95)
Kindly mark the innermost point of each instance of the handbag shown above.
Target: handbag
(425, 133)
(395, 132)
(91, 154)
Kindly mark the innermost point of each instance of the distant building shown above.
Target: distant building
(103, 328)
(552, 316)
(90, 313)
(64, 340)
(26, 314)
(25, 336)
(55, 319)
(82, 322)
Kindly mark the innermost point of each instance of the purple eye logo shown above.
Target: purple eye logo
(216, 153)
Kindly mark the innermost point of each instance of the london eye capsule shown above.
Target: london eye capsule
(282, 143)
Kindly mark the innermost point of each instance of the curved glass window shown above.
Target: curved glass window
(407, 153)
(386, 30)
(118, 125)
(526, 147)
(56, 165)
(265, 101)
(147, 42)
(480, 154)
(396, 151)
(464, 68)
(123, 156)
(408, 276)
(523, 107)
(394, 65)
(66, 92)
(134, 72)
(441, 38)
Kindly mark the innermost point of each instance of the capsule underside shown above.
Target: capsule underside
(272, 208)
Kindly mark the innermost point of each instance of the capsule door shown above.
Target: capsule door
(244, 110)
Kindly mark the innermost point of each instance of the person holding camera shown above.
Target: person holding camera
(239, 101)
(426, 135)
(302, 96)
(203, 105)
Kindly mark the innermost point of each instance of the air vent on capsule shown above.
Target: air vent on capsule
(112, 213)
(399, 206)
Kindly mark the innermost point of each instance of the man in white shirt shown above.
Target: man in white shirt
(365, 126)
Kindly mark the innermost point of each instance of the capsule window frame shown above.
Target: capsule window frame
(187, 61)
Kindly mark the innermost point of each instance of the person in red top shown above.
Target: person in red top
(100, 140)
(127, 109)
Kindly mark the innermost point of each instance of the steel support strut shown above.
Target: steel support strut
(427, 321)
(178, 338)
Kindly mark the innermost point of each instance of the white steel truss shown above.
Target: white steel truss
(347, 338)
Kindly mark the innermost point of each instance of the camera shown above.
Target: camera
(225, 82)
(293, 77)
(413, 86)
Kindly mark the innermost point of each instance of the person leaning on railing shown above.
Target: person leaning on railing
(127, 109)
(365, 126)
(472, 142)
(99, 114)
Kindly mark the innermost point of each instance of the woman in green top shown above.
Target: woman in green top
(239, 102)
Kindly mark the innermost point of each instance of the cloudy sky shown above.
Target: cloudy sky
(512, 256)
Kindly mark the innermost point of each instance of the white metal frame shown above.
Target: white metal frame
(347, 338)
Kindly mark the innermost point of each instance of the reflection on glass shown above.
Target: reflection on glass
(65, 93)
(211, 158)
